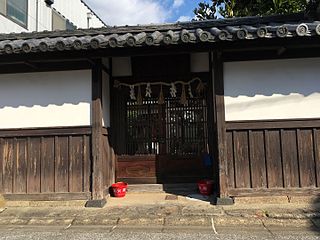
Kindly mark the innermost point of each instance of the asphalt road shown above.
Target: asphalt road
(148, 233)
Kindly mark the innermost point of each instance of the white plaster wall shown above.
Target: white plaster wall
(48, 99)
(273, 89)
(8, 26)
(44, 16)
(105, 100)
(76, 12)
(199, 62)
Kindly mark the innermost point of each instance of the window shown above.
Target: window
(17, 10)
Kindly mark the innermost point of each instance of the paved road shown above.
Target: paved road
(147, 233)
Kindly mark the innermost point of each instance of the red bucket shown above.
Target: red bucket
(205, 187)
(119, 189)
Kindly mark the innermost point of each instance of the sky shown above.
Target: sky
(133, 12)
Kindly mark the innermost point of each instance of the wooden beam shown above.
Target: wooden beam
(273, 124)
(97, 144)
(220, 123)
(48, 131)
(47, 196)
(31, 65)
(43, 67)
(255, 192)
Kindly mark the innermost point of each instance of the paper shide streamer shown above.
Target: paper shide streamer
(173, 90)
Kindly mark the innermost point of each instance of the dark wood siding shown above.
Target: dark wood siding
(55, 160)
(274, 155)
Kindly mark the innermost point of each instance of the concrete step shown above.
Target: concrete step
(179, 188)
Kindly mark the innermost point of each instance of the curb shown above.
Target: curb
(177, 221)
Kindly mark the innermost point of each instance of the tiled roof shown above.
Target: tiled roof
(211, 31)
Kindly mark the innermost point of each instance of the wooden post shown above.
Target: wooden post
(97, 185)
(220, 123)
(211, 120)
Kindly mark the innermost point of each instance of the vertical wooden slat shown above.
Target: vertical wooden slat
(257, 157)
(86, 163)
(273, 155)
(289, 158)
(8, 166)
(61, 164)
(241, 159)
(47, 165)
(34, 165)
(21, 166)
(1, 164)
(306, 158)
(107, 162)
(316, 134)
(75, 163)
(230, 160)
(70, 162)
(14, 163)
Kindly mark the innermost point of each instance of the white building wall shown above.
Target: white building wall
(45, 17)
(48, 99)
(8, 26)
(76, 12)
(273, 89)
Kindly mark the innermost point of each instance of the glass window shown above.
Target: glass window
(17, 10)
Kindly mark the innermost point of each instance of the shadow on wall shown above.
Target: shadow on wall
(267, 78)
(44, 89)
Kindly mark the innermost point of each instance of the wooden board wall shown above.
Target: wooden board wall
(264, 155)
(52, 160)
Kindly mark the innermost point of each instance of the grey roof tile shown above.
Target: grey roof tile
(237, 29)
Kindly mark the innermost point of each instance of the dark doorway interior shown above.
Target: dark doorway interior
(161, 141)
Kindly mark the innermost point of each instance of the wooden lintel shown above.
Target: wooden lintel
(91, 61)
(31, 65)
(62, 59)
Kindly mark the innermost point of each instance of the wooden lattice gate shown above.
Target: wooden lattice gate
(161, 143)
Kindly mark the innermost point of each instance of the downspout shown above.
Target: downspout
(89, 17)
(37, 13)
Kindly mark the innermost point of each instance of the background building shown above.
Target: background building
(40, 15)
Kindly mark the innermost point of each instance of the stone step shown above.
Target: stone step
(163, 188)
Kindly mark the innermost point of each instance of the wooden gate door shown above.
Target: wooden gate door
(163, 143)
